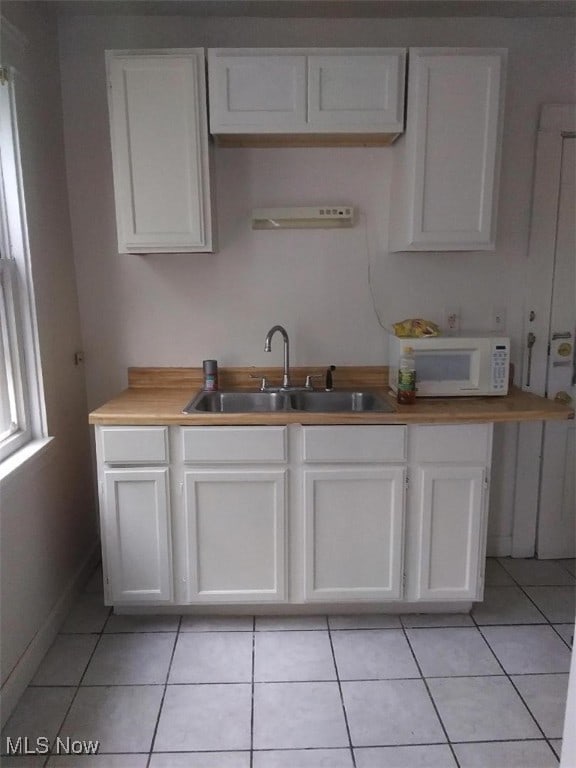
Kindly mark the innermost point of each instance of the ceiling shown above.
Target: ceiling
(322, 8)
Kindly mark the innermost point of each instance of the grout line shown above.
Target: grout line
(534, 559)
(402, 627)
(300, 682)
(177, 635)
(352, 755)
(561, 636)
(523, 588)
(548, 621)
(431, 697)
(517, 691)
(532, 739)
(76, 692)
(252, 692)
(557, 751)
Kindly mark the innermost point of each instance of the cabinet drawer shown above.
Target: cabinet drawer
(455, 442)
(134, 445)
(365, 444)
(234, 444)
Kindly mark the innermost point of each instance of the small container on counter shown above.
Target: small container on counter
(406, 394)
(210, 368)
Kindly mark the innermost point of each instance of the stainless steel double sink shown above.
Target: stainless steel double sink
(272, 402)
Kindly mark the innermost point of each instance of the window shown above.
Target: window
(21, 405)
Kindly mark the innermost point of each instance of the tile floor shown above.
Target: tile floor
(376, 691)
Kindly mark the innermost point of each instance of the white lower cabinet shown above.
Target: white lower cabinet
(353, 533)
(294, 514)
(136, 535)
(235, 524)
(448, 503)
(447, 511)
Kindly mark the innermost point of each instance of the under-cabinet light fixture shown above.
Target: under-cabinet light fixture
(314, 217)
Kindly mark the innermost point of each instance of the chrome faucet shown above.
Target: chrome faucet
(268, 348)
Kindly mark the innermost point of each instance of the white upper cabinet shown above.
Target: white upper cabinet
(251, 91)
(361, 91)
(291, 91)
(159, 136)
(446, 177)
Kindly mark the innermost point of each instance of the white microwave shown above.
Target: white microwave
(454, 366)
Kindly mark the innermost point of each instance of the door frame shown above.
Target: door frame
(557, 122)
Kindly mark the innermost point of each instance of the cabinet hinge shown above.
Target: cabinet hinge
(406, 481)
(4, 75)
(181, 488)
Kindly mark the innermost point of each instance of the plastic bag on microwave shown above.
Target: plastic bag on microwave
(415, 328)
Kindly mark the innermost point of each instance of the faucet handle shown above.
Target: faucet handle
(263, 380)
(308, 384)
(329, 382)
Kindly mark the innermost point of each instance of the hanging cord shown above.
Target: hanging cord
(370, 284)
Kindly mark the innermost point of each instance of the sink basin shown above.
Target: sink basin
(338, 402)
(268, 402)
(238, 402)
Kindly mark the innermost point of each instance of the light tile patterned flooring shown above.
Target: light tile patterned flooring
(377, 691)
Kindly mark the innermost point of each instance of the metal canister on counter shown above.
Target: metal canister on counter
(210, 368)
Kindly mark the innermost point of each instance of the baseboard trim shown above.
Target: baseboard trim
(29, 661)
(499, 546)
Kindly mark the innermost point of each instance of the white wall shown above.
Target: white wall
(47, 517)
(177, 310)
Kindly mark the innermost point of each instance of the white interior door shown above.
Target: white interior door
(544, 505)
(557, 518)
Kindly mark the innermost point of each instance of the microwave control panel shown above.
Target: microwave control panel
(500, 367)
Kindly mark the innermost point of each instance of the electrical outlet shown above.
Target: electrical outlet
(452, 320)
(498, 319)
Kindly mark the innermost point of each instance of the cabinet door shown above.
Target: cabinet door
(449, 513)
(255, 92)
(353, 533)
(356, 92)
(235, 535)
(160, 151)
(136, 533)
(450, 159)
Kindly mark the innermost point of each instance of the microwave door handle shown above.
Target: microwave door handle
(530, 341)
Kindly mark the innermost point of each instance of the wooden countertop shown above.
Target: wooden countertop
(157, 396)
